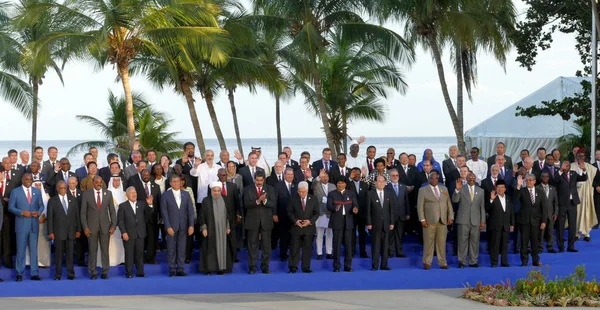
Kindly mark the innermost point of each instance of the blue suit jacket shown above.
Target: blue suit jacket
(18, 203)
(180, 219)
(81, 173)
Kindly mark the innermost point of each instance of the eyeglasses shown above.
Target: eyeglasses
(390, 153)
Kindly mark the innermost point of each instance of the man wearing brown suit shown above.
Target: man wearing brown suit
(435, 213)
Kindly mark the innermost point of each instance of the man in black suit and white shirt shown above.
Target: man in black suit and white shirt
(360, 189)
(552, 204)
(500, 149)
(450, 167)
(284, 190)
(500, 223)
(249, 171)
(50, 166)
(401, 213)
(302, 211)
(304, 173)
(61, 175)
(531, 217)
(8, 225)
(380, 221)
(343, 171)
(81, 242)
(290, 162)
(144, 190)
(132, 217)
(324, 163)
(568, 199)
(16, 170)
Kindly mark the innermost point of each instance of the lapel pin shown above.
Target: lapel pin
(376, 200)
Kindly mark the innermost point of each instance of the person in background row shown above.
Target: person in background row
(289, 161)
(24, 156)
(353, 160)
(88, 182)
(391, 160)
(449, 166)
(477, 166)
(428, 155)
(412, 160)
(51, 165)
(500, 150)
(82, 171)
(524, 154)
(550, 169)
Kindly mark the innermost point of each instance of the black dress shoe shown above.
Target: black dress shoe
(236, 260)
(56, 278)
(561, 250)
(71, 277)
(266, 271)
(141, 275)
(348, 269)
(153, 262)
(252, 271)
(552, 251)
(474, 265)
(364, 255)
(336, 270)
(36, 278)
(19, 278)
(93, 277)
(523, 265)
(292, 270)
(329, 256)
(319, 257)
(187, 261)
(171, 274)
(81, 264)
(104, 277)
(181, 274)
(402, 255)
(386, 268)
(505, 265)
(1, 280)
(220, 273)
(306, 270)
(129, 276)
(461, 265)
(9, 266)
(572, 250)
(494, 265)
(373, 269)
(587, 239)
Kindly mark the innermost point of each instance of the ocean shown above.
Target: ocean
(414, 145)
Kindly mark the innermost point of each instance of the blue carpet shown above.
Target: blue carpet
(407, 273)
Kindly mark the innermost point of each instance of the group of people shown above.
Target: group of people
(126, 214)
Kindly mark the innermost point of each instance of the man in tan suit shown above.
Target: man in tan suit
(435, 213)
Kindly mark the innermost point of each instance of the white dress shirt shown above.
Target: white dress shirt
(206, 174)
(132, 204)
(177, 195)
(502, 202)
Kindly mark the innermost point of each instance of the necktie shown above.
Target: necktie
(73, 193)
(502, 173)
(396, 189)
(258, 190)
(289, 187)
(405, 170)
(454, 162)
(98, 200)
(147, 190)
(541, 165)
(546, 190)
(65, 176)
(471, 193)
(224, 190)
(28, 196)
(1, 188)
(342, 172)
(252, 172)
(392, 163)
(303, 205)
(494, 182)
(551, 171)
(279, 177)
(8, 175)
(531, 196)
(381, 198)
(53, 166)
(370, 164)
(568, 177)
(437, 192)
(64, 203)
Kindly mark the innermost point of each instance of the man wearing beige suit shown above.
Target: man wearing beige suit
(435, 213)
(470, 220)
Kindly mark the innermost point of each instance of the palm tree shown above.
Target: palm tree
(117, 32)
(467, 26)
(152, 129)
(355, 75)
(309, 24)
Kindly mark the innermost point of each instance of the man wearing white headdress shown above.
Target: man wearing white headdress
(215, 257)
(43, 246)
(262, 162)
(352, 158)
(116, 250)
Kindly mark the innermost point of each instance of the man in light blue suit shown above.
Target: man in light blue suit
(26, 204)
(177, 212)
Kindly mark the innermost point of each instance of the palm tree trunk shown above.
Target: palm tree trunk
(36, 87)
(323, 114)
(345, 132)
(213, 116)
(459, 96)
(435, 49)
(187, 92)
(278, 122)
(123, 68)
(236, 127)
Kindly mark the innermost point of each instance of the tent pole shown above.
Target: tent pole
(594, 92)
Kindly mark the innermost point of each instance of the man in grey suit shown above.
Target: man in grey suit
(470, 220)
(177, 212)
(435, 214)
(552, 205)
(132, 169)
(99, 221)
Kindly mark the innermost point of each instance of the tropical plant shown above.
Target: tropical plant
(355, 75)
(310, 24)
(152, 130)
(465, 26)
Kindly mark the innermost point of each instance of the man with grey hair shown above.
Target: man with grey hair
(284, 190)
(206, 172)
(531, 216)
(132, 217)
(303, 211)
(131, 170)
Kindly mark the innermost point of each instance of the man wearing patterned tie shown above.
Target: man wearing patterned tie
(530, 217)
(470, 220)
(64, 226)
(26, 204)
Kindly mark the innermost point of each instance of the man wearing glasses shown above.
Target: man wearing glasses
(477, 166)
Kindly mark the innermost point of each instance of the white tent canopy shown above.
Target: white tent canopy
(519, 132)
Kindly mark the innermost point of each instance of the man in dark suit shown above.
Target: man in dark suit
(596, 186)
(276, 173)
(144, 190)
(290, 162)
(177, 212)
(99, 221)
(37, 176)
(82, 171)
(16, 170)
(260, 203)
(135, 179)
(500, 149)
(531, 217)
(234, 210)
(524, 154)
(552, 204)
(342, 171)
(390, 158)
(380, 222)
(304, 173)
(284, 190)
(187, 162)
(342, 204)
(325, 163)
(132, 217)
(550, 169)
(360, 189)
(8, 227)
(107, 171)
(61, 175)
(539, 164)
(401, 213)
(64, 226)
(370, 161)
(408, 177)
(81, 243)
(506, 173)
(50, 166)
(500, 223)
(134, 167)
(249, 172)
(302, 211)
(450, 168)
(568, 199)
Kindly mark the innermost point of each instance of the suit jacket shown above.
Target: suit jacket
(283, 197)
(551, 200)
(18, 203)
(531, 213)
(57, 177)
(395, 165)
(81, 173)
(106, 175)
(16, 174)
(63, 225)
(338, 219)
(135, 180)
(48, 170)
(499, 219)
(470, 212)
(552, 180)
(134, 224)
(232, 202)
(320, 193)
(451, 174)
(273, 179)
(536, 168)
(402, 207)
(361, 197)
(247, 175)
(488, 186)
(310, 212)
(180, 218)
(259, 215)
(299, 177)
(154, 192)
(433, 210)
(8, 187)
(77, 196)
(292, 164)
(568, 188)
(98, 220)
(130, 171)
(318, 165)
(381, 214)
(508, 164)
(336, 175)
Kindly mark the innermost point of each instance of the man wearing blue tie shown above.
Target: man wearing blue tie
(26, 204)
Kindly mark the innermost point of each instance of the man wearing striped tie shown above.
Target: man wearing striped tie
(530, 217)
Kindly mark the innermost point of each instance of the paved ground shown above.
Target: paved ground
(405, 299)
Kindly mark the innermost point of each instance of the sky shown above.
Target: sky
(421, 112)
